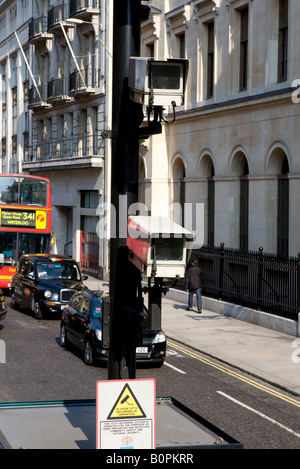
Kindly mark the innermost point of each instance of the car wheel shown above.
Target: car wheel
(63, 336)
(88, 353)
(36, 310)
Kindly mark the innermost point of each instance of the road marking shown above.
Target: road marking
(236, 375)
(173, 353)
(260, 414)
(174, 368)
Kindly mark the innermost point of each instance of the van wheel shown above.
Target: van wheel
(36, 310)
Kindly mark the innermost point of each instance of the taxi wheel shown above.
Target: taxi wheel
(63, 336)
(14, 304)
(88, 354)
(36, 310)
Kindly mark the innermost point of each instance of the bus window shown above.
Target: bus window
(9, 191)
(33, 192)
(23, 190)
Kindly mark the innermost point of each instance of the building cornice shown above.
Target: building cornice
(269, 99)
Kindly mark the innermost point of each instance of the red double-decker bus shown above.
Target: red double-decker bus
(25, 220)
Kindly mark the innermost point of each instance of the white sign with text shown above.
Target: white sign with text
(125, 414)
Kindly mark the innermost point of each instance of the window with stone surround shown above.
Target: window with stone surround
(283, 210)
(283, 25)
(243, 48)
(210, 59)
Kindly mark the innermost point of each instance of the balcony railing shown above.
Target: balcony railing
(38, 97)
(83, 7)
(58, 90)
(57, 14)
(75, 147)
(86, 79)
(38, 27)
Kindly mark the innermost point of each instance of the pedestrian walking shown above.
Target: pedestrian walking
(193, 285)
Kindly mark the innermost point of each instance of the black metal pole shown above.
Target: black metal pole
(125, 279)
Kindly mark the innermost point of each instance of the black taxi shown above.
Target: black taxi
(82, 326)
(44, 283)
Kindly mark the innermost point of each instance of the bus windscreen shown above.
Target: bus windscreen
(23, 191)
(14, 245)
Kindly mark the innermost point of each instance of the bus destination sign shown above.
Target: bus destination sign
(23, 218)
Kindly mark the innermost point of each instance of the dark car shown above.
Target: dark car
(3, 308)
(45, 283)
(81, 326)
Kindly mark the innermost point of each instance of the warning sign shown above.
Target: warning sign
(126, 414)
(126, 406)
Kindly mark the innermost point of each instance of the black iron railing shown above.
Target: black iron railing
(38, 26)
(255, 279)
(38, 95)
(78, 5)
(57, 14)
(57, 88)
(88, 77)
(74, 147)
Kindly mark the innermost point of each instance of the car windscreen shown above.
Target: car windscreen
(57, 270)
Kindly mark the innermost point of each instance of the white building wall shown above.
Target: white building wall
(52, 126)
(261, 122)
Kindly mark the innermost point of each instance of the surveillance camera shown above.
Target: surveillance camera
(157, 82)
(158, 246)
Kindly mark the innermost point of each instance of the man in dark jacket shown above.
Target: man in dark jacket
(193, 285)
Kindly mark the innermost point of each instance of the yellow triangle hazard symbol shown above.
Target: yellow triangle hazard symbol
(126, 406)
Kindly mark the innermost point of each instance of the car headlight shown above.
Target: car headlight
(159, 338)
(98, 334)
(50, 294)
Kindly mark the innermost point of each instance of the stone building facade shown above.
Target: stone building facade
(55, 65)
(232, 150)
(234, 144)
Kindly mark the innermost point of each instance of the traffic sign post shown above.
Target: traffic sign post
(127, 116)
(125, 414)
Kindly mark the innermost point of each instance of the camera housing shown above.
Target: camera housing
(157, 82)
(158, 246)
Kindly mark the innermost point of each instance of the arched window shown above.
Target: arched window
(211, 207)
(206, 195)
(240, 171)
(244, 206)
(178, 175)
(141, 186)
(283, 210)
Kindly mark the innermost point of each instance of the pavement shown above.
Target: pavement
(263, 353)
